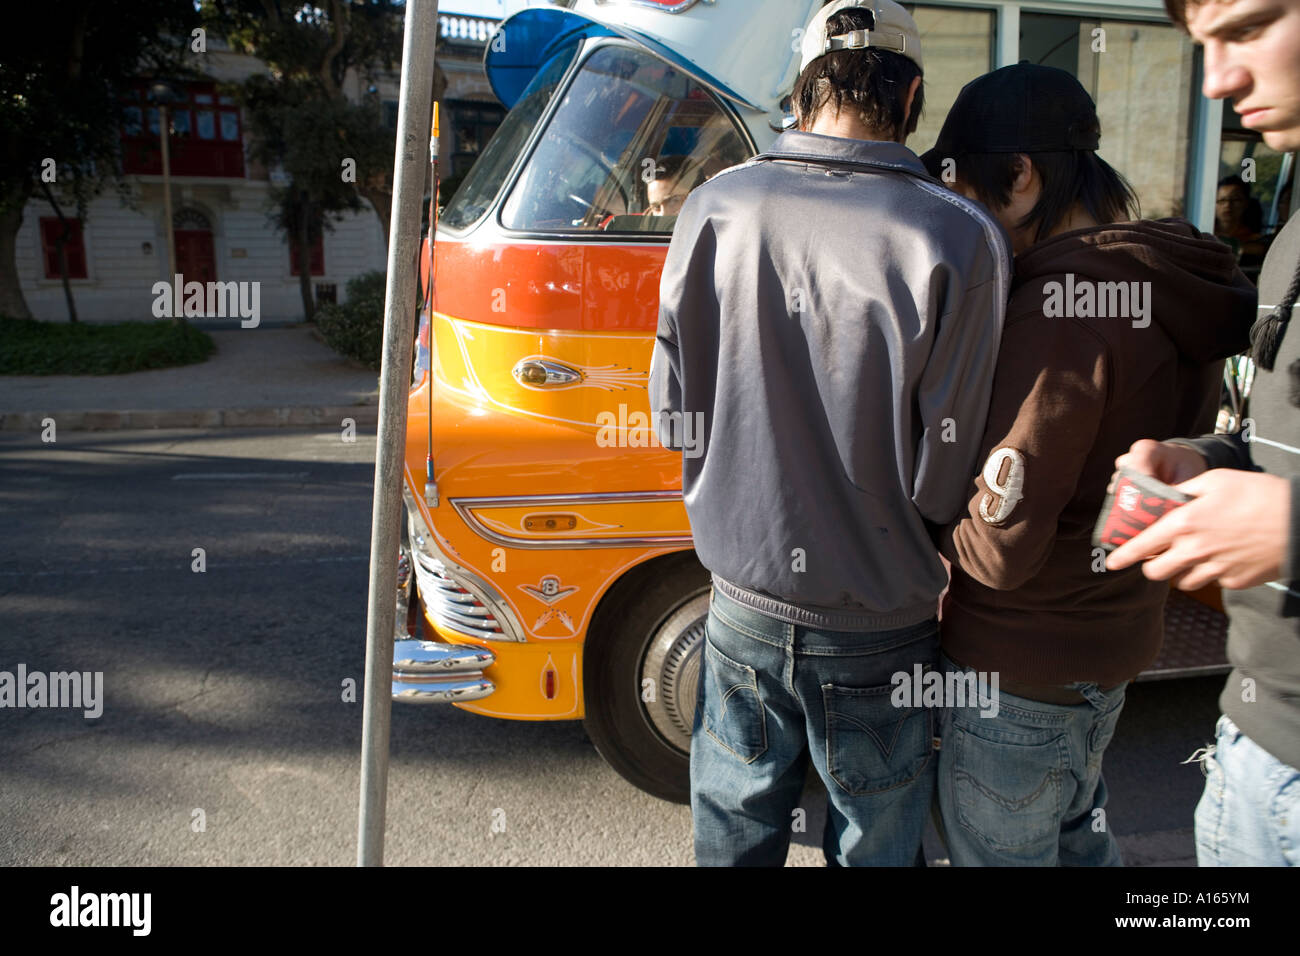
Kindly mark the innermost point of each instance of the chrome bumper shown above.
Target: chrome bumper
(432, 671)
(429, 672)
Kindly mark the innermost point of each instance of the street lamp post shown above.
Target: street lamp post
(163, 93)
(164, 134)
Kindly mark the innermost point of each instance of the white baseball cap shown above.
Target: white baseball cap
(894, 30)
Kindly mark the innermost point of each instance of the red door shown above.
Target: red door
(195, 259)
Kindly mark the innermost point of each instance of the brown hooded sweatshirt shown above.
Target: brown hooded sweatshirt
(1113, 333)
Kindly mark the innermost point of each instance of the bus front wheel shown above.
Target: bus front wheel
(641, 673)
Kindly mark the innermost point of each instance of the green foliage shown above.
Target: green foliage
(62, 79)
(333, 150)
(299, 118)
(295, 126)
(29, 347)
(356, 328)
(309, 40)
(60, 88)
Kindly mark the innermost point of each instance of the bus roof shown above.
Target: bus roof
(746, 50)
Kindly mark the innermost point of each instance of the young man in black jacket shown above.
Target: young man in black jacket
(1021, 784)
(1243, 529)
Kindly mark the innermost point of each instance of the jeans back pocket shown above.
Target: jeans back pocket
(1008, 783)
(871, 744)
(733, 708)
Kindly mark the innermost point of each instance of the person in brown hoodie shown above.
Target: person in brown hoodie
(1115, 330)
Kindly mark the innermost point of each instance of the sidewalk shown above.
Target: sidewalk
(256, 377)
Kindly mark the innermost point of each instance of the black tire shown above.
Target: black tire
(647, 602)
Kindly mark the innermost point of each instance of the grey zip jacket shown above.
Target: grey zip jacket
(829, 322)
(1264, 621)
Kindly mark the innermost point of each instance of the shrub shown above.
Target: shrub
(356, 327)
(30, 347)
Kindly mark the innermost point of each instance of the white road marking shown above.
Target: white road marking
(240, 475)
(235, 566)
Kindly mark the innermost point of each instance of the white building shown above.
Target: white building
(219, 199)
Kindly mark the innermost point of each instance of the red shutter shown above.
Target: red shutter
(74, 249)
(317, 257)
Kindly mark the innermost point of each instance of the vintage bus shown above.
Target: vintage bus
(547, 547)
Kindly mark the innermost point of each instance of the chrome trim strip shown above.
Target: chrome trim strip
(485, 627)
(473, 614)
(447, 690)
(596, 496)
(561, 544)
(404, 576)
(468, 620)
(469, 630)
(463, 506)
(413, 658)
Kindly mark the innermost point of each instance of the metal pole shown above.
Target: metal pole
(421, 34)
(164, 133)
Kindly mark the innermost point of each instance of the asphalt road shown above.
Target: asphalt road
(225, 738)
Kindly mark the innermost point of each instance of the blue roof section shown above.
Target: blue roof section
(532, 36)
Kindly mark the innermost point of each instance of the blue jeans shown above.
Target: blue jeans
(1024, 787)
(771, 695)
(1249, 814)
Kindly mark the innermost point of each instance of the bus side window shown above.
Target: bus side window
(632, 137)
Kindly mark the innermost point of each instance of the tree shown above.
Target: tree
(333, 147)
(292, 127)
(61, 90)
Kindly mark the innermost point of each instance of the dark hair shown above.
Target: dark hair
(1076, 175)
(1177, 10)
(1234, 181)
(871, 81)
(671, 167)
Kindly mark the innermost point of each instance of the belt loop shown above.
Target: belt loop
(1092, 693)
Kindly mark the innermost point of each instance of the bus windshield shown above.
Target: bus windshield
(483, 182)
(630, 139)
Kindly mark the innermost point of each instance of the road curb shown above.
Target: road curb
(117, 420)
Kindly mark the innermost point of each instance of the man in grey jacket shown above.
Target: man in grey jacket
(831, 316)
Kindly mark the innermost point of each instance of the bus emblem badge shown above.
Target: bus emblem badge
(548, 589)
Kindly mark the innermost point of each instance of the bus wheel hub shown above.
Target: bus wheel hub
(670, 673)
